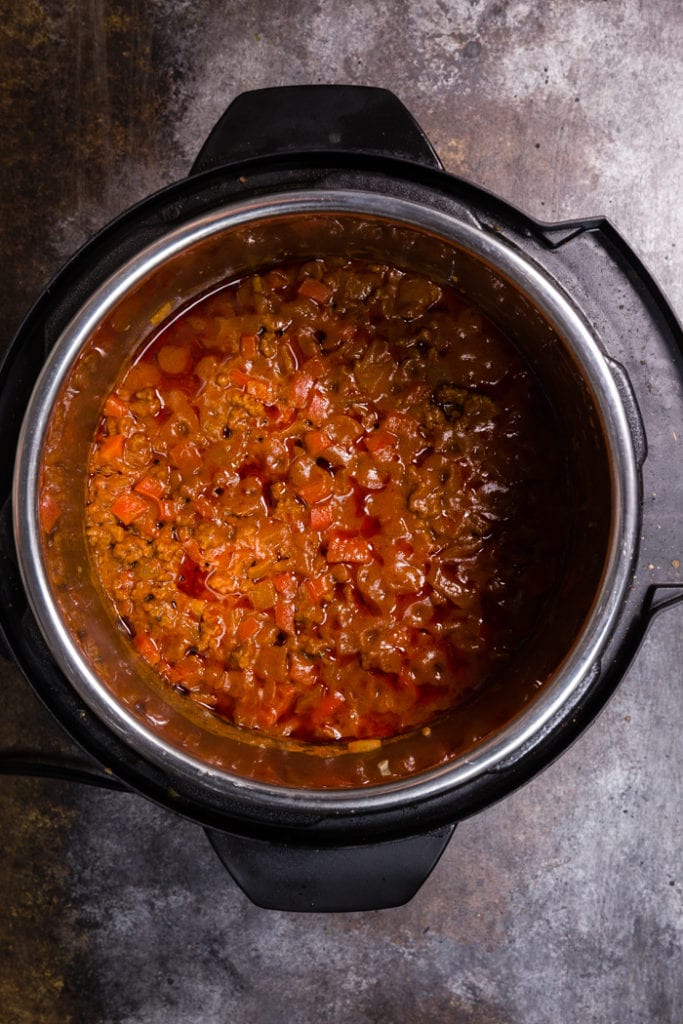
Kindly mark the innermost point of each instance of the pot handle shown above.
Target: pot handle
(338, 879)
(312, 118)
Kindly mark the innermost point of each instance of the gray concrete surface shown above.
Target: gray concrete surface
(563, 903)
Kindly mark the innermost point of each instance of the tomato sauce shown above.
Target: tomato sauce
(318, 500)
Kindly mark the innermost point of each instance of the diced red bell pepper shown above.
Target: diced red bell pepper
(149, 487)
(318, 588)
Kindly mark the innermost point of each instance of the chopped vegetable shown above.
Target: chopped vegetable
(129, 507)
(318, 501)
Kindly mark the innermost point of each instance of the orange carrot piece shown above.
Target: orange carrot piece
(115, 406)
(249, 345)
(316, 490)
(111, 447)
(129, 507)
(310, 288)
(284, 617)
(147, 648)
(247, 628)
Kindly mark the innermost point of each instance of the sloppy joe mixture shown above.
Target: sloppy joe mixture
(318, 497)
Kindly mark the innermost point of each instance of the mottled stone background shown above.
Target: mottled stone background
(562, 904)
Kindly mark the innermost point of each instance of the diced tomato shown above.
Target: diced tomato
(344, 548)
(115, 406)
(402, 425)
(147, 648)
(317, 489)
(319, 587)
(129, 507)
(284, 616)
(314, 367)
(330, 703)
(257, 388)
(186, 457)
(239, 378)
(50, 511)
(111, 447)
(311, 288)
(316, 441)
(322, 516)
(191, 579)
(301, 670)
(379, 440)
(271, 664)
(280, 416)
(150, 487)
(194, 551)
(301, 388)
(318, 408)
(249, 345)
(285, 583)
(247, 628)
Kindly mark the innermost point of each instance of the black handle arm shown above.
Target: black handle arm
(307, 118)
(336, 879)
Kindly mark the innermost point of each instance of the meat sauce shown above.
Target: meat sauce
(317, 501)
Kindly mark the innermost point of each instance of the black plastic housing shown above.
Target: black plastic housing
(324, 137)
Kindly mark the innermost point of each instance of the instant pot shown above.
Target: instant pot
(293, 173)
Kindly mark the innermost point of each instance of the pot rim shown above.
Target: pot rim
(580, 663)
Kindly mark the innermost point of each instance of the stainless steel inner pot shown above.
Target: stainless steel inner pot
(565, 647)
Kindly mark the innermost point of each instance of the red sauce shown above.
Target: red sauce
(315, 498)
